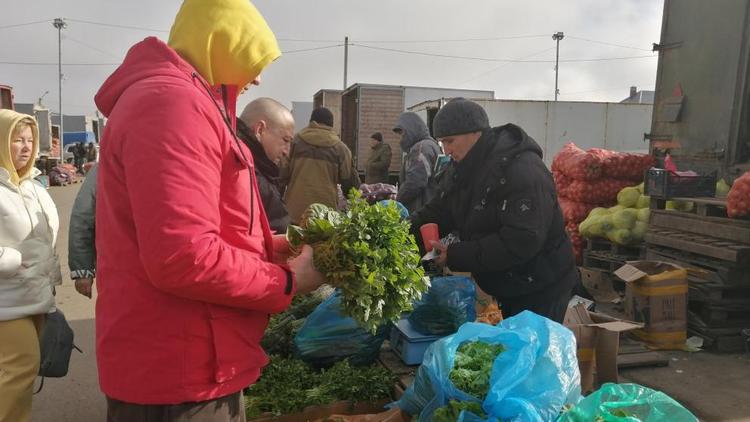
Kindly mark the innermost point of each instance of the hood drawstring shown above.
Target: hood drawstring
(249, 166)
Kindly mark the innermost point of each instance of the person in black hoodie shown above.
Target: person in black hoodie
(499, 198)
(267, 128)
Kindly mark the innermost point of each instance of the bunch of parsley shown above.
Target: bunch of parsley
(369, 254)
(452, 411)
(472, 367)
(289, 385)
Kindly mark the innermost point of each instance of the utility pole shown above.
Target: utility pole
(59, 23)
(346, 59)
(557, 37)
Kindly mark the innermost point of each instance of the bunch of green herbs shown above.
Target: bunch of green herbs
(289, 385)
(472, 367)
(278, 338)
(452, 411)
(369, 254)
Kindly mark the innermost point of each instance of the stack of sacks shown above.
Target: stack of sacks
(589, 179)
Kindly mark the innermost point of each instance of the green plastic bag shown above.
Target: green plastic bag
(627, 403)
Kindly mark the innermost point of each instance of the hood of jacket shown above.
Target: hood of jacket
(8, 121)
(319, 135)
(414, 130)
(227, 41)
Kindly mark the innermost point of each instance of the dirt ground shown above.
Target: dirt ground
(715, 387)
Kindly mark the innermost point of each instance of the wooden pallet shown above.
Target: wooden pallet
(718, 293)
(613, 249)
(603, 261)
(721, 228)
(735, 315)
(706, 207)
(703, 268)
(725, 340)
(713, 247)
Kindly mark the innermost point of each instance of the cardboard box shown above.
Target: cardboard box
(312, 413)
(597, 344)
(599, 284)
(656, 295)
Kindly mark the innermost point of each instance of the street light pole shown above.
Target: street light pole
(59, 23)
(346, 59)
(557, 37)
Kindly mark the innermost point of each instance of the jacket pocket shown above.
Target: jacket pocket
(236, 342)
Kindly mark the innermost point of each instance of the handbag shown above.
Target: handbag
(56, 345)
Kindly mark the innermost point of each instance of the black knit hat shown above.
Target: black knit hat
(323, 116)
(377, 136)
(459, 116)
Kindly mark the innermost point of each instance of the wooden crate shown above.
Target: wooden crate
(726, 250)
(613, 249)
(701, 267)
(706, 207)
(717, 227)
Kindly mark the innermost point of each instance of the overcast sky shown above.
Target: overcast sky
(620, 32)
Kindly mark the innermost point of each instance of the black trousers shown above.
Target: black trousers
(224, 409)
(551, 302)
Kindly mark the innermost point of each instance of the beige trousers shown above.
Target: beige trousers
(19, 365)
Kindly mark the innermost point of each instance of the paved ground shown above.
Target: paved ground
(715, 387)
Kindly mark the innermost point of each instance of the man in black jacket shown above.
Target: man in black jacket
(500, 199)
(267, 128)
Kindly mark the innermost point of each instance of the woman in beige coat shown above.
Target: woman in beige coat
(29, 266)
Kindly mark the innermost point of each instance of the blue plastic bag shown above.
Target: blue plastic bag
(448, 304)
(327, 336)
(531, 380)
(628, 403)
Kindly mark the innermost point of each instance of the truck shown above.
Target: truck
(552, 124)
(369, 108)
(702, 100)
(6, 97)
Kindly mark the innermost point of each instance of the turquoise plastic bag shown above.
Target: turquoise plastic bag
(327, 336)
(628, 403)
(448, 304)
(531, 380)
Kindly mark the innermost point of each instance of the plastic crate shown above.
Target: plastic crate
(661, 183)
(409, 344)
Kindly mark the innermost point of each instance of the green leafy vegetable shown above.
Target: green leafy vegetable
(369, 254)
(289, 385)
(452, 411)
(472, 367)
(279, 336)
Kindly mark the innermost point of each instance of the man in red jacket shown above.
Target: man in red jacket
(186, 271)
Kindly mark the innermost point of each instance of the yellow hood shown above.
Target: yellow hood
(227, 41)
(8, 121)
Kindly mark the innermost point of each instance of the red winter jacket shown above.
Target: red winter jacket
(182, 240)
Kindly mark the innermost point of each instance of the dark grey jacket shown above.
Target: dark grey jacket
(81, 238)
(419, 164)
(501, 201)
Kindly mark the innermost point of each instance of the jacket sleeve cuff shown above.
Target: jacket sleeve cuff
(460, 255)
(76, 274)
(291, 281)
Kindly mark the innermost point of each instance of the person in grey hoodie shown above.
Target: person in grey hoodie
(418, 166)
(81, 248)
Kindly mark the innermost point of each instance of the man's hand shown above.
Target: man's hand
(83, 286)
(442, 251)
(307, 276)
(281, 251)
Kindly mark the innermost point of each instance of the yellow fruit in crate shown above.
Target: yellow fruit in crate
(616, 208)
(625, 219)
(722, 188)
(643, 202)
(620, 236)
(628, 197)
(644, 214)
(640, 188)
(598, 211)
(639, 231)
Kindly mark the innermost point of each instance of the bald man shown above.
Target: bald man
(267, 128)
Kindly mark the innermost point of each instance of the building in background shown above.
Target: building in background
(639, 97)
(301, 111)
